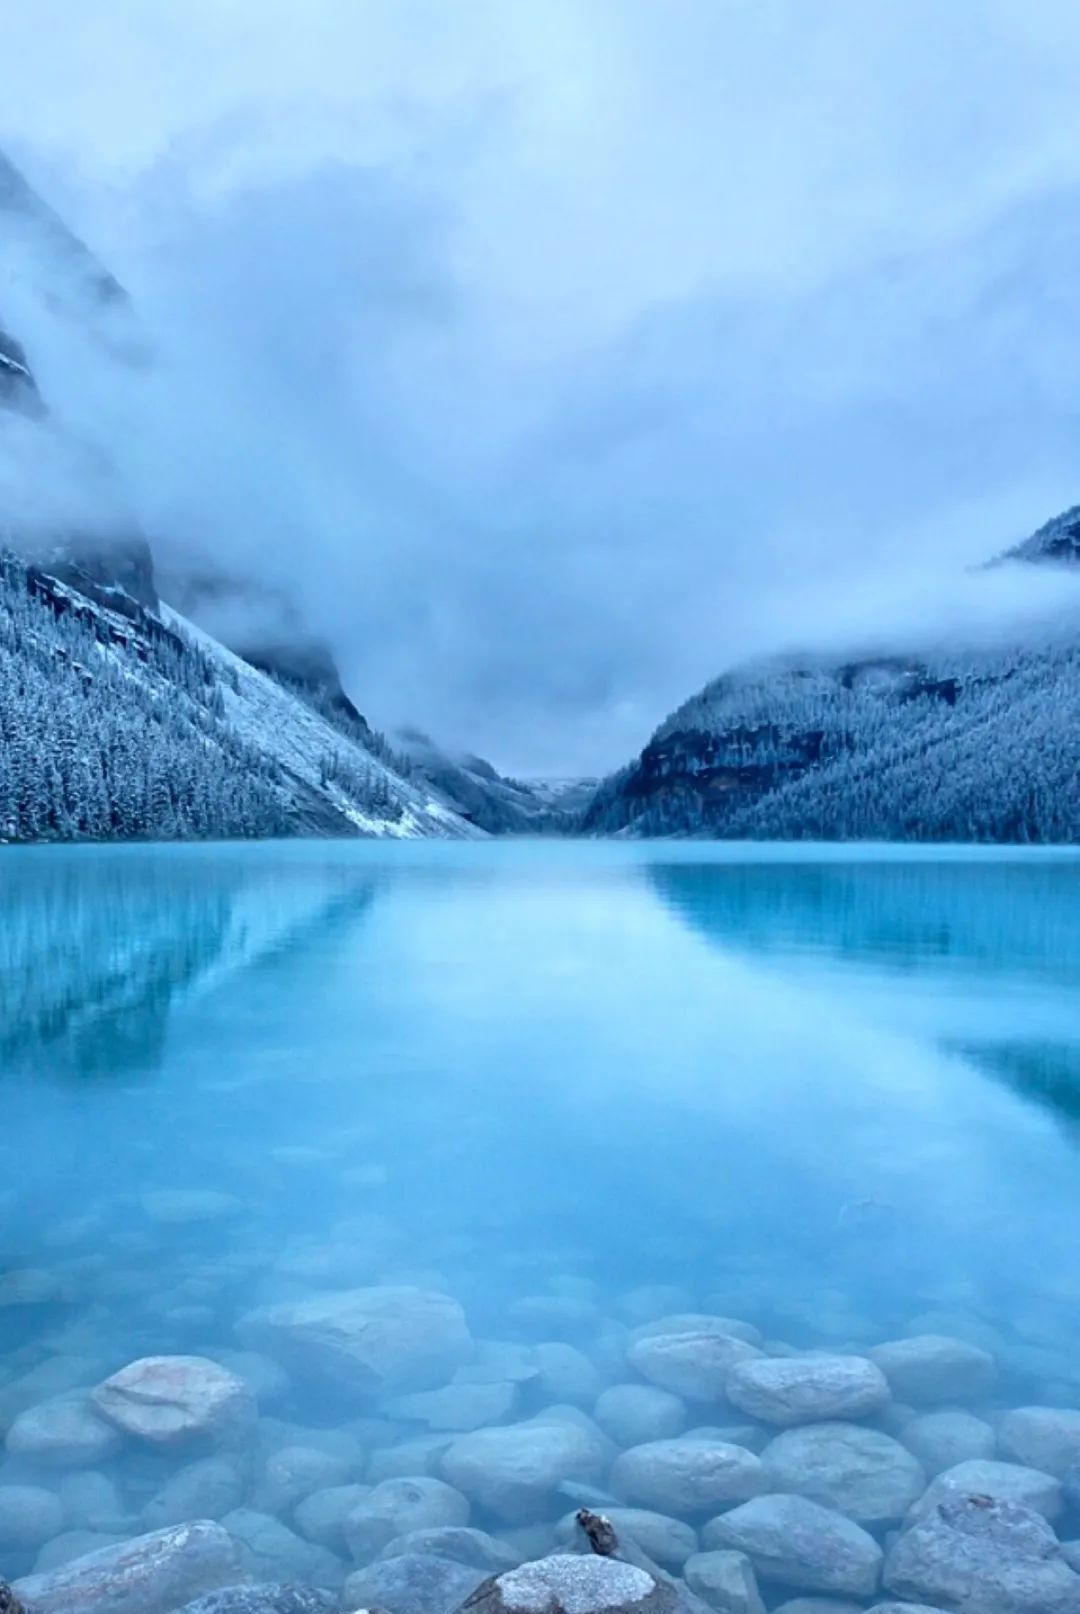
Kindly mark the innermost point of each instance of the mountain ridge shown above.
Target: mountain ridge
(972, 743)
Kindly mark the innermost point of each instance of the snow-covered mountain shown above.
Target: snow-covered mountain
(119, 718)
(489, 799)
(981, 743)
(121, 724)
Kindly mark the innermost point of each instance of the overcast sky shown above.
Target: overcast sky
(560, 352)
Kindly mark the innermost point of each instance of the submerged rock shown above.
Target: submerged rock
(514, 1471)
(697, 1322)
(207, 1489)
(975, 1555)
(177, 1400)
(633, 1414)
(92, 1501)
(456, 1407)
(29, 1516)
(397, 1506)
(269, 1550)
(269, 1597)
(1042, 1437)
(869, 1476)
(696, 1365)
(929, 1369)
(321, 1516)
(986, 1478)
(64, 1432)
(569, 1583)
(364, 1342)
(72, 1544)
(794, 1542)
(805, 1389)
(687, 1476)
(940, 1440)
(293, 1472)
(152, 1574)
(726, 1581)
(460, 1543)
(413, 1583)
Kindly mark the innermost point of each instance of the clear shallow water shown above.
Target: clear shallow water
(834, 1092)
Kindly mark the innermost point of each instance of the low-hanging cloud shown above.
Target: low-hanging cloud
(553, 358)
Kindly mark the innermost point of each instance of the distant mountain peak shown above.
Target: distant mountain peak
(1057, 541)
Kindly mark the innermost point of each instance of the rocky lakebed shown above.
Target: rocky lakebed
(281, 1433)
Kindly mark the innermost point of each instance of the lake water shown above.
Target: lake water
(833, 1092)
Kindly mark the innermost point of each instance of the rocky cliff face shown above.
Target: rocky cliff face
(950, 745)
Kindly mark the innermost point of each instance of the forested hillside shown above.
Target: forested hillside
(113, 727)
(950, 745)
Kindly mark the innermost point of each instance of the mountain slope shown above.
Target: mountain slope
(118, 718)
(118, 729)
(982, 744)
(495, 803)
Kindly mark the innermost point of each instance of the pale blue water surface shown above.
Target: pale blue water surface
(834, 1091)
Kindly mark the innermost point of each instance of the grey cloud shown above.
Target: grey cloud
(556, 356)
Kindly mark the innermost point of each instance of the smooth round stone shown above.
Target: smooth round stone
(174, 1400)
(422, 1455)
(321, 1517)
(726, 1581)
(868, 1476)
(271, 1551)
(929, 1369)
(566, 1374)
(514, 1471)
(72, 1544)
(281, 1597)
(460, 1543)
(456, 1408)
(697, 1322)
(497, 1361)
(695, 1365)
(377, 1341)
(397, 1506)
(806, 1389)
(649, 1301)
(940, 1440)
(794, 1542)
(633, 1414)
(573, 1583)
(666, 1541)
(412, 1583)
(1047, 1438)
(150, 1574)
(1001, 1482)
(63, 1433)
(297, 1471)
(976, 1555)
(881, 1608)
(92, 1501)
(29, 1516)
(828, 1605)
(264, 1378)
(687, 1476)
(207, 1489)
(554, 1316)
(31, 1286)
(176, 1207)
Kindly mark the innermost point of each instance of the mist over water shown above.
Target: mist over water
(831, 1092)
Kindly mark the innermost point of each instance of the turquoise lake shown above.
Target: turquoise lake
(834, 1091)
